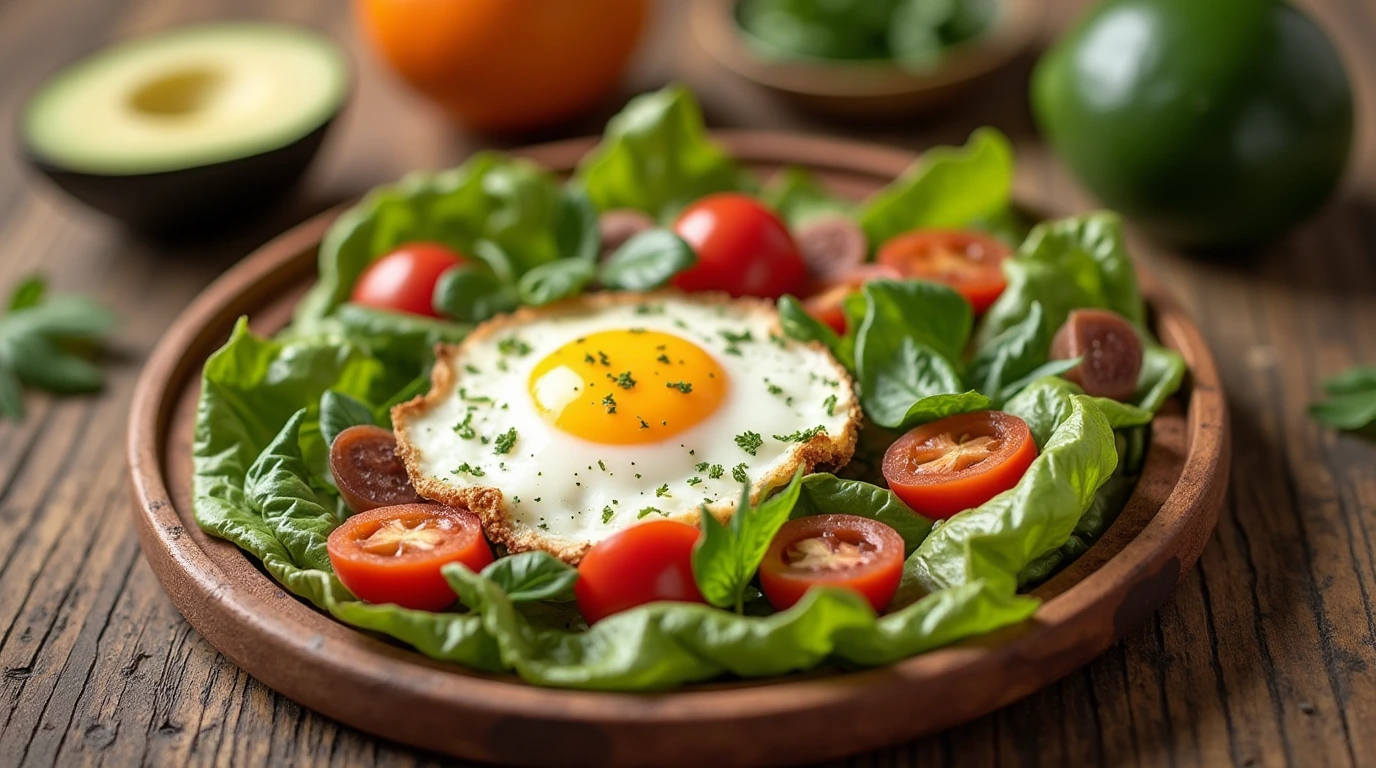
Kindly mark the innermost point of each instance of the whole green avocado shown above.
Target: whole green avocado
(1212, 123)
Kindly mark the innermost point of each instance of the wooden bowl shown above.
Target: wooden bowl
(865, 90)
(379, 686)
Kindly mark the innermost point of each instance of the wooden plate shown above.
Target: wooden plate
(378, 686)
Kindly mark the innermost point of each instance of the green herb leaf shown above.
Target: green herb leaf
(472, 294)
(576, 229)
(826, 494)
(529, 577)
(555, 280)
(338, 412)
(798, 324)
(726, 557)
(29, 293)
(798, 198)
(1351, 402)
(647, 261)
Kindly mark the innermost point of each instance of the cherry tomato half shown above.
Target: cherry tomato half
(367, 470)
(958, 462)
(646, 563)
(404, 280)
(394, 554)
(833, 550)
(742, 247)
(828, 300)
(969, 262)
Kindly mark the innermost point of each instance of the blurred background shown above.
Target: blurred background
(1285, 299)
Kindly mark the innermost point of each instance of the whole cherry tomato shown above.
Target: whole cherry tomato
(646, 563)
(742, 248)
(404, 280)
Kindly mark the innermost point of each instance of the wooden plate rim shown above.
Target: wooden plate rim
(1161, 552)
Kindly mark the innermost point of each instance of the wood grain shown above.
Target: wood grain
(1266, 654)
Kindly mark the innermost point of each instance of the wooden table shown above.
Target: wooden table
(1266, 654)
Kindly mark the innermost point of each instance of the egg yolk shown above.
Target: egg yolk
(626, 387)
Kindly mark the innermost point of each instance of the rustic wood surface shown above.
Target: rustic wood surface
(1265, 656)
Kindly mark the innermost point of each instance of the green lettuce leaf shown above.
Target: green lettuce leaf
(532, 576)
(655, 157)
(507, 202)
(997, 540)
(949, 187)
(278, 490)
(1162, 372)
(338, 412)
(1046, 403)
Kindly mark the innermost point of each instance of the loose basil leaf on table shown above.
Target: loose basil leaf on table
(473, 294)
(656, 157)
(727, 556)
(1351, 399)
(948, 187)
(339, 411)
(647, 261)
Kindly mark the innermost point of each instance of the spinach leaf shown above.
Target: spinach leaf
(1064, 265)
(30, 292)
(403, 341)
(1046, 403)
(1351, 401)
(1162, 372)
(727, 556)
(931, 314)
(798, 324)
(508, 202)
(655, 157)
(576, 229)
(828, 29)
(827, 494)
(338, 412)
(647, 261)
(472, 294)
(997, 540)
(555, 281)
(797, 197)
(1011, 355)
(532, 576)
(897, 374)
(947, 187)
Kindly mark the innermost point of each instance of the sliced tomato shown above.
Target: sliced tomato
(828, 299)
(742, 248)
(367, 470)
(404, 279)
(969, 262)
(847, 551)
(646, 563)
(958, 462)
(394, 554)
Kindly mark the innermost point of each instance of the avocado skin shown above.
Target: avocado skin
(180, 202)
(1212, 123)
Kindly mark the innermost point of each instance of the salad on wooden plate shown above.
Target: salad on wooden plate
(667, 421)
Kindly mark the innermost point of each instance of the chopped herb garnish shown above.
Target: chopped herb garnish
(738, 473)
(736, 338)
(505, 441)
(589, 359)
(464, 429)
(502, 366)
(830, 404)
(662, 491)
(602, 358)
(663, 358)
(802, 435)
(774, 389)
(643, 423)
(544, 526)
(600, 465)
(715, 471)
(513, 345)
(701, 467)
(649, 309)
(622, 379)
(647, 511)
(681, 386)
(607, 513)
(749, 442)
(734, 350)
(468, 469)
(635, 330)
(610, 402)
(694, 481)
(473, 369)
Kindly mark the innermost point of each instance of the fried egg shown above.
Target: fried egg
(562, 425)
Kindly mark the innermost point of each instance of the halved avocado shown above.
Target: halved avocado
(189, 127)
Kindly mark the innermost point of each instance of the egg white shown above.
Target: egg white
(560, 493)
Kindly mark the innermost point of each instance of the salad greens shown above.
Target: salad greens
(1351, 402)
(39, 339)
(269, 409)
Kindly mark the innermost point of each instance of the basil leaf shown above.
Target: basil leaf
(472, 294)
(1162, 371)
(1046, 402)
(11, 394)
(647, 261)
(1011, 355)
(338, 412)
(532, 576)
(1049, 368)
(576, 229)
(1355, 380)
(1351, 402)
(931, 314)
(827, 494)
(947, 187)
(656, 157)
(796, 323)
(403, 340)
(29, 293)
(726, 557)
(65, 318)
(933, 407)
(896, 374)
(554, 281)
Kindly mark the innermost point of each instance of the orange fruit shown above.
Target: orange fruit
(500, 65)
